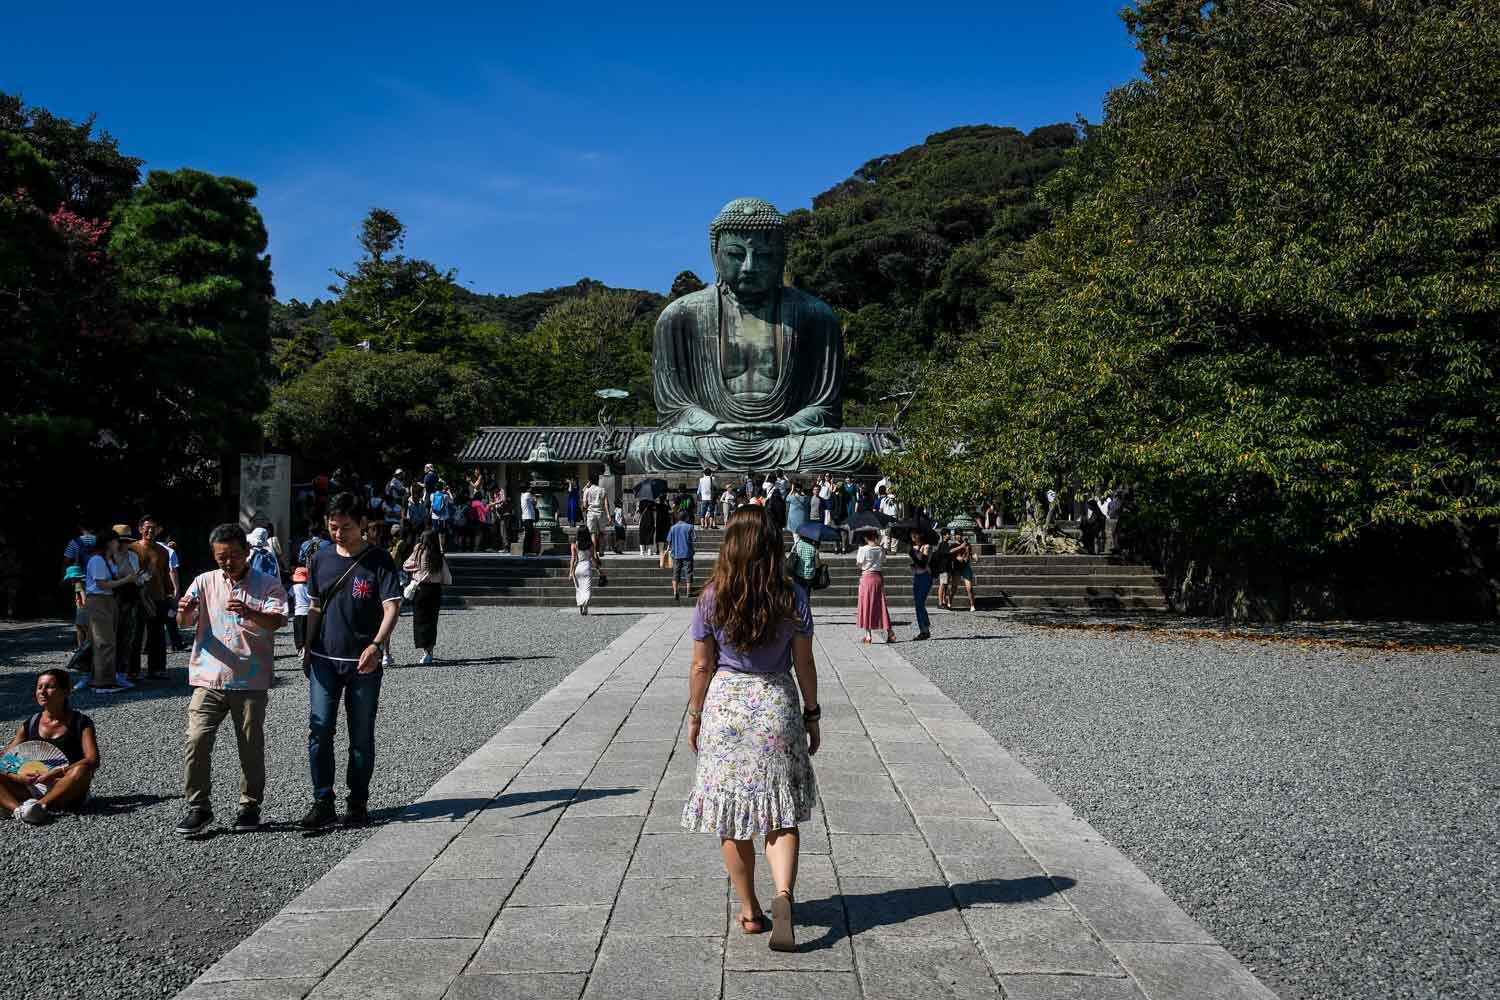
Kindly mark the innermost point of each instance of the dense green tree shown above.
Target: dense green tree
(902, 249)
(1284, 329)
(602, 340)
(90, 173)
(372, 411)
(392, 302)
(685, 283)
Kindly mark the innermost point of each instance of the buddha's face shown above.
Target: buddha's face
(751, 264)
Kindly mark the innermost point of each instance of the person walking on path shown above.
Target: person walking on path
(645, 527)
(151, 636)
(706, 500)
(960, 568)
(594, 516)
(531, 542)
(235, 611)
(300, 604)
(802, 565)
(663, 527)
(921, 580)
(573, 509)
(32, 800)
(872, 612)
(682, 540)
(429, 574)
(583, 567)
(356, 600)
(753, 736)
(101, 582)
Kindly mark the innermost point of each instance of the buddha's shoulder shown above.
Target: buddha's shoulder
(806, 306)
(690, 306)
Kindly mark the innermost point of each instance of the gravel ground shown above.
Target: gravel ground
(1328, 812)
(110, 903)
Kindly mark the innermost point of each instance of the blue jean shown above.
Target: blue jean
(921, 586)
(361, 695)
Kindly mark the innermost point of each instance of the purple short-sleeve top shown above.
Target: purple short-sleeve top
(774, 657)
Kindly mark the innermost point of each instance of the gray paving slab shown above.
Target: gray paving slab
(444, 908)
(660, 968)
(541, 939)
(900, 968)
(1189, 972)
(672, 907)
(551, 864)
(791, 986)
(1069, 988)
(396, 970)
(1038, 939)
(293, 946)
(517, 986)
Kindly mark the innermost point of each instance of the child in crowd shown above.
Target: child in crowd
(301, 601)
(618, 530)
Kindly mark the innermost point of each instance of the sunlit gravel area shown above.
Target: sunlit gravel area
(1328, 810)
(109, 903)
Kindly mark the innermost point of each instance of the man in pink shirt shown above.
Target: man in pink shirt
(236, 611)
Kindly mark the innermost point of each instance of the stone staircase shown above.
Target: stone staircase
(1071, 581)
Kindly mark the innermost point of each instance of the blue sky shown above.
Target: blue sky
(529, 146)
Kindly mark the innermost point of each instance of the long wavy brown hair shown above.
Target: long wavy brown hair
(752, 595)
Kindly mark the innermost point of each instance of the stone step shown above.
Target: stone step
(607, 598)
(837, 584)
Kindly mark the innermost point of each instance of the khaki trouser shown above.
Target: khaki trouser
(103, 612)
(205, 711)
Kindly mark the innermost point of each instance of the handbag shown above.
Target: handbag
(822, 580)
(666, 559)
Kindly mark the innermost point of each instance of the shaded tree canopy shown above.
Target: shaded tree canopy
(1285, 331)
(901, 249)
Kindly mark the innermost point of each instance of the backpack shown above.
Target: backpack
(439, 504)
(939, 561)
(264, 560)
(309, 549)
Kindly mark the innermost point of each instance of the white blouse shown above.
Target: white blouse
(870, 558)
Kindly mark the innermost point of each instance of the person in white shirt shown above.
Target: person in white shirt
(706, 500)
(825, 497)
(593, 514)
(1112, 523)
(529, 539)
(726, 501)
(873, 613)
(782, 485)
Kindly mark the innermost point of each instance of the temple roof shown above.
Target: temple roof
(494, 445)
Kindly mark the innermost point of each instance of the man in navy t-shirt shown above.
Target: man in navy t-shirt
(356, 600)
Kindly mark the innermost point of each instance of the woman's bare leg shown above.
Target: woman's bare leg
(13, 791)
(739, 861)
(781, 852)
(70, 789)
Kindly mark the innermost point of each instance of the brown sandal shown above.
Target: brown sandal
(783, 931)
(758, 922)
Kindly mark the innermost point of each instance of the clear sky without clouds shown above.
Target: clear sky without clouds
(531, 145)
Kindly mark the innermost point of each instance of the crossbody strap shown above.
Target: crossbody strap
(325, 599)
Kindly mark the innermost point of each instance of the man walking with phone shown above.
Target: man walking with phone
(356, 600)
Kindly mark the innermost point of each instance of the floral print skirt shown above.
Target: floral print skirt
(754, 773)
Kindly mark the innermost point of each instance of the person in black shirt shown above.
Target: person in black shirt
(33, 797)
(356, 600)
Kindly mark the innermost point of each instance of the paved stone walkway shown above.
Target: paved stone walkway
(550, 864)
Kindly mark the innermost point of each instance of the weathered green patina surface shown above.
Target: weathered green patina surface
(749, 374)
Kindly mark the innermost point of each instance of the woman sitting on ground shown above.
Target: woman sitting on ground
(34, 798)
(753, 737)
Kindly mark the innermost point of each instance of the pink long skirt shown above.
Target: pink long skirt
(873, 615)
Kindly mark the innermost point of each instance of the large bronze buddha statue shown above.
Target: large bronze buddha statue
(749, 373)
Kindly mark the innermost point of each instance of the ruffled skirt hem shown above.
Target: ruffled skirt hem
(743, 817)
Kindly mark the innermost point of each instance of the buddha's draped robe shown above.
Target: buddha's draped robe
(693, 398)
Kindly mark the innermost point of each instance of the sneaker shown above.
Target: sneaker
(32, 811)
(124, 683)
(247, 820)
(920, 636)
(356, 814)
(426, 660)
(81, 684)
(320, 816)
(387, 660)
(196, 822)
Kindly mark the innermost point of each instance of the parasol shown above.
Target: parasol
(817, 532)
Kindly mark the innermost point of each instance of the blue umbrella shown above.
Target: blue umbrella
(818, 532)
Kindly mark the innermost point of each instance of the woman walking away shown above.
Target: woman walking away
(645, 527)
(429, 572)
(753, 737)
(583, 566)
(31, 798)
(873, 612)
(921, 580)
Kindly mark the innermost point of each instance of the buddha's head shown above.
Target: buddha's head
(748, 241)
